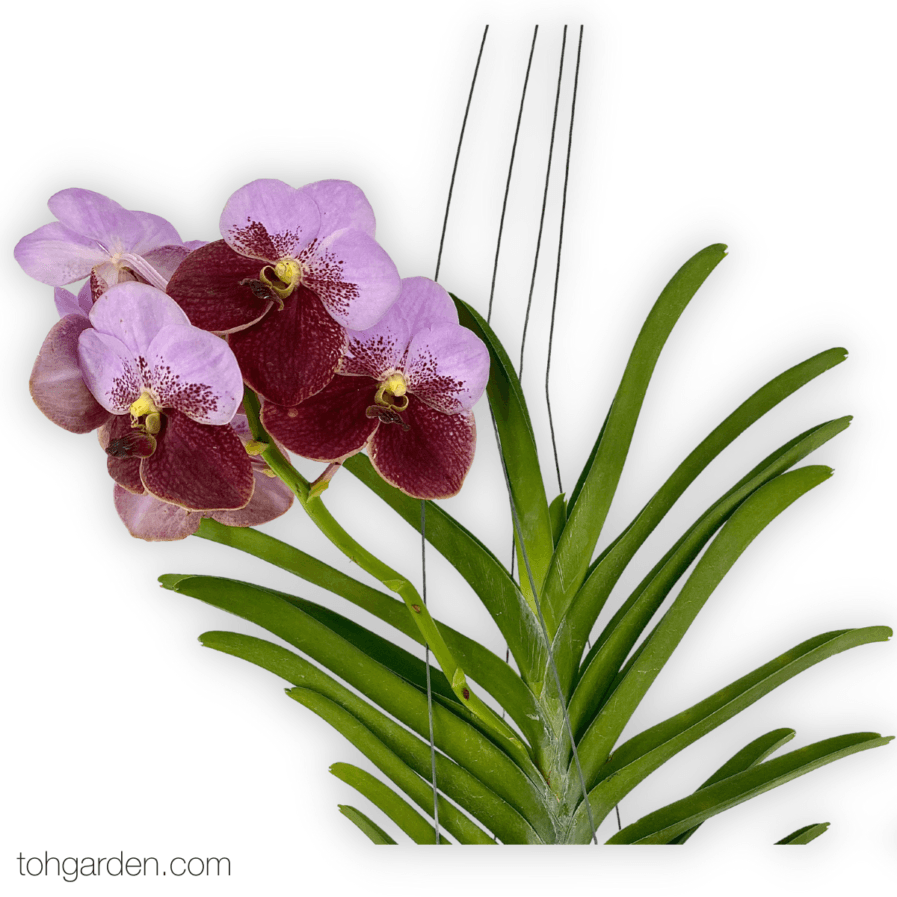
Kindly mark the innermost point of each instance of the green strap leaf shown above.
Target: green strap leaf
(490, 671)
(750, 755)
(605, 572)
(591, 503)
(399, 754)
(618, 638)
(371, 829)
(662, 825)
(515, 431)
(806, 834)
(391, 804)
(751, 518)
(557, 511)
(637, 758)
(458, 739)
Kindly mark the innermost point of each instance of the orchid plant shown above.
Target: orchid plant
(201, 366)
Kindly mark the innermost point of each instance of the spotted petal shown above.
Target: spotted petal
(448, 367)
(329, 426)
(195, 372)
(270, 220)
(354, 278)
(270, 499)
(431, 457)
(57, 386)
(199, 467)
(212, 285)
(110, 370)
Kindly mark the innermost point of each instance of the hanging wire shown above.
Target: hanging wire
(504, 204)
(423, 504)
(458, 153)
(557, 273)
(532, 284)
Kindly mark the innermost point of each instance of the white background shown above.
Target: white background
(767, 126)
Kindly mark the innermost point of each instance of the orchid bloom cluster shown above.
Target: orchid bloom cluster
(298, 302)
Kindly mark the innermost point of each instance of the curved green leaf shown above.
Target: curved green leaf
(588, 510)
(750, 755)
(662, 825)
(637, 758)
(461, 741)
(515, 431)
(516, 620)
(398, 753)
(806, 834)
(490, 671)
(748, 521)
(618, 638)
(391, 804)
(371, 829)
(604, 573)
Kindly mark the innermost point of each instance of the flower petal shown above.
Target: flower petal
(55, 255)
(448, 367)
(270, 220)
(195, 372)
(97, 217)
(155, 232)
(423, 303)
(429, 459)
(341, 204)
(165, 260)
(57, 386)
(152, 519)
(292, 352)
(379, 349)
(199, 467)
(110, 370)
(354, 278)
(329, 426)
(69, 304)
(134, 313)
(208, 286)
(270, 499)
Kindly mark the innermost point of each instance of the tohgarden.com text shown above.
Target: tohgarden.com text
(119, 866)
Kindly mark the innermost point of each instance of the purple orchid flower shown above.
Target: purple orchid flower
(295, 267)
(171, 390)
(404, 391)
(95, 237)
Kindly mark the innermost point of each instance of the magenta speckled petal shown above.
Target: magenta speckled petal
(429, 458)
(341, 204)
(152, 519)
(110, 370)
(195, 372)
(57, 386)
(270, 220)
(293, 352)
(198, 467)
(134, 313)
(378, 350)
(447, 366)
(354, 278)
(329, 426)
(55, 255)
(207, 285)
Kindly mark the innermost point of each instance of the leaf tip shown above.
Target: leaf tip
(172, 580)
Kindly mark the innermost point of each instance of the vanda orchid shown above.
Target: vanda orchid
(405, 391)
(295, 333)
(295, 268)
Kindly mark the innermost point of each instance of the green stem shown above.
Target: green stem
(390, 578)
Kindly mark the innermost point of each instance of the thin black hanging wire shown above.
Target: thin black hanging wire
(504, 204)
(458, 153)
(532, 284)
(557, 273)
(423, 504)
